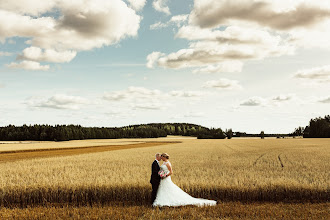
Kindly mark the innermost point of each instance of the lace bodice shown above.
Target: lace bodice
(164, 167)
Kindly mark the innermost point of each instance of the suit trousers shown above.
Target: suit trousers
(155, 186)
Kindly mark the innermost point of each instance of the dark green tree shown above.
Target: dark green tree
(262, 135)
(229, 133)
(318, 128)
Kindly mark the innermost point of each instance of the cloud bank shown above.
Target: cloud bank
(57, 37)
(279, 15)
(223, 31)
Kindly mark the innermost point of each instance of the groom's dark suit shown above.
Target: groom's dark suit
(154, 180)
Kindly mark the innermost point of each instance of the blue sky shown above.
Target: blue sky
(122, 62)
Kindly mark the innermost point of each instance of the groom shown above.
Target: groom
(155, 178)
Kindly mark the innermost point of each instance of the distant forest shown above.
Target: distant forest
(317, 128)
(77, 132)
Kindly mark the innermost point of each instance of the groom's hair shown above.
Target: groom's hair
(157, 155)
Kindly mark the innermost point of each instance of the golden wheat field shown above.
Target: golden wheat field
(250, 178)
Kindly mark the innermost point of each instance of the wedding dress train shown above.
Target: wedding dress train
(169, 194)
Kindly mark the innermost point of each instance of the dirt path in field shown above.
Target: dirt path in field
(9, 156)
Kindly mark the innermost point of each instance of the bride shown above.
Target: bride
(169, 194)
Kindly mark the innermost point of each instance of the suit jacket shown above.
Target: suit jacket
(155, 178)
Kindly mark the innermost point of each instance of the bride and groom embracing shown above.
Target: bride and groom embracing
(164, 191)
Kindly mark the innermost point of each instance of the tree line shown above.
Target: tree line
(186, 129)
(317, 128)
(262, 134)
(77, 132)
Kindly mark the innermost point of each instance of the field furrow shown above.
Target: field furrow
(8, 156)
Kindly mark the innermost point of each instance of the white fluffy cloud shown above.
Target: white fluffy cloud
(269, 101)
(283, 98)
(58, 101)
(222, 84)
(318, 73)
(28, 65)
(231, 35)
(152, 59)
(34, 7)
(158, 25)
(137, 4)
(279, 15)
(222, 50)
(254, 101)
(161, 6)
(300, 21)
(47, 55)
(314, 37)
(94, 24)
(177, 20)
(325, 100)
(224, 30)
(204, 53)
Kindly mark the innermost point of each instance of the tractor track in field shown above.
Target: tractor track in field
(279, 159)
(256, 161)
(10, 156)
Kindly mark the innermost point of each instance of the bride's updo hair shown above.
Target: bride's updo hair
(166, 155)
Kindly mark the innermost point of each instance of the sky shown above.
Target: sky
(252, 66)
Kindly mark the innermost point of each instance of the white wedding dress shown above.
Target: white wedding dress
(169, 194)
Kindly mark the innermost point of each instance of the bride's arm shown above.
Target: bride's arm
(170, 169)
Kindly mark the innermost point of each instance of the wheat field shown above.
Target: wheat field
(290, 171)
